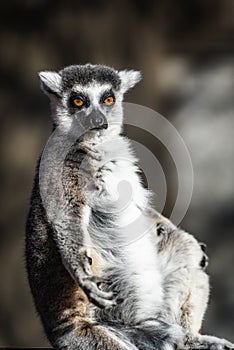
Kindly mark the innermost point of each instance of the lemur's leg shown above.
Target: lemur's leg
(194, 307)
(197, 303)
(191, 291)
(70, 226)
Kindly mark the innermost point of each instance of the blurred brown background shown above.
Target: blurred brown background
(185, 50)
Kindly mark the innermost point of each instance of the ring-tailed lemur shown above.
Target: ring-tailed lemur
(106, 272)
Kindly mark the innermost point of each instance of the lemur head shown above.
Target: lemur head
(88, 96)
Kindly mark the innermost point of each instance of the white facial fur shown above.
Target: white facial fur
(113, 113)
(50, 80)
(129, 78)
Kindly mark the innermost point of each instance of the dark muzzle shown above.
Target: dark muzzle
(96, 121)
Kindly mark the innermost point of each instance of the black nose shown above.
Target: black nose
(97, 120)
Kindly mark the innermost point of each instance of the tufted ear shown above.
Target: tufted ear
(129, 78)
(50, 83)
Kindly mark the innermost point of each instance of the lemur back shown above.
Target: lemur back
(97, 275)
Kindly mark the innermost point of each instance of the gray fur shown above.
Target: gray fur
(87, 271)
(50, 83)
(87, 74)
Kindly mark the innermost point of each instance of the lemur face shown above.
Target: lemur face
(88, 96)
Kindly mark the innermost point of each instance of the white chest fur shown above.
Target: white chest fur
(124, 191)
(142, 269)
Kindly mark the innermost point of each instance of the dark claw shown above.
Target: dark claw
(102, 281)
(96, 302)
(119, 300)
(204, 262)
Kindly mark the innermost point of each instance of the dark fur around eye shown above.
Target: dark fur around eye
(81, 97)
(106, 95)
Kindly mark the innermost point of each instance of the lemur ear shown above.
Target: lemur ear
(50, 83)
(129, 78)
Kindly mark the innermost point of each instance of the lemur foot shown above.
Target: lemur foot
(95, 295)
(209, 342)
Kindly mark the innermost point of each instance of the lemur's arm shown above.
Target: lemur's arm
(70, 227)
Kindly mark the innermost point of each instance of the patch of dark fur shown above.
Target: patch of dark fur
(102, 219)
(79, 74)
(145, 336)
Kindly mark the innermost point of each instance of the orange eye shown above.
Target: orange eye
(77, 102)
(109, 100)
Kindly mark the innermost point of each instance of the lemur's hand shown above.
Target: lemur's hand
(90, 286)
(79, 268)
